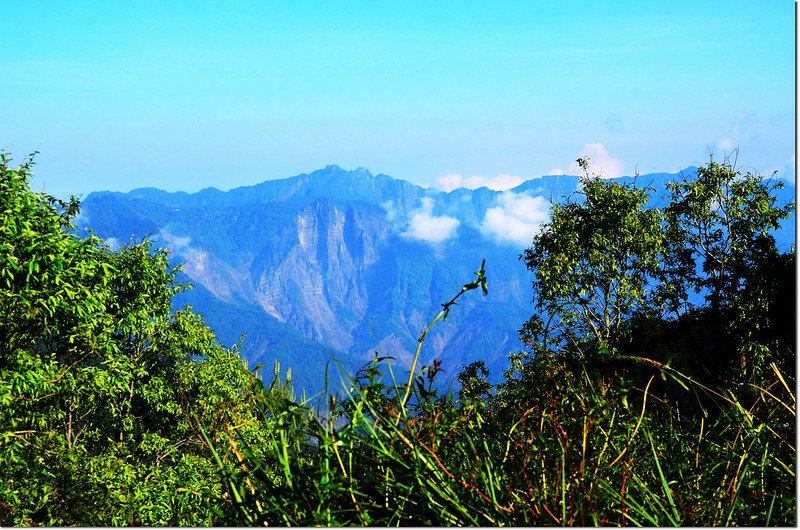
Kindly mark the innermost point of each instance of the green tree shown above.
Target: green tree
(106, 394)
(593, 264)
(722, 221)
(697, 306)
(720, 245)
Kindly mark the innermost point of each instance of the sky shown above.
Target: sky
(187, 95)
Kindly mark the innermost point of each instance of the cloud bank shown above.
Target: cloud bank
(424, 226)
(501, 182)
(516, 218)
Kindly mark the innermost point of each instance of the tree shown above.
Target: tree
(721, 221)
(720, 245)
(697, 307)
(106, 395)
(593, 264)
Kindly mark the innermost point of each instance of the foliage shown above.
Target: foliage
(593, 263)
(723, 220)
(719, 231)
(103, 389)
(631, 406)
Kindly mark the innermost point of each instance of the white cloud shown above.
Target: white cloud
(176, 243)
(430, 228)
(516, 218)
(725, 144)
(82, 218)
(600, 162)
(449, 182)
(499, 182)
(744, 128)
(391, 212)
(744, 122)
(785, 172)
(112, 243)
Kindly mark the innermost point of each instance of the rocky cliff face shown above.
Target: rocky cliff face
(319, 286)
(334, 266)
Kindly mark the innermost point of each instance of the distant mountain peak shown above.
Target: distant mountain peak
(334, 170)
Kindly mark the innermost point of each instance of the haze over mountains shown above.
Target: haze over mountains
(336, 265)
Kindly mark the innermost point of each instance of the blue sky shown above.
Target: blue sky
(182, 96)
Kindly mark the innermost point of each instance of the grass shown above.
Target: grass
(552, 445)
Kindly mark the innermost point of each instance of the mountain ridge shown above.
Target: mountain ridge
(334, 265)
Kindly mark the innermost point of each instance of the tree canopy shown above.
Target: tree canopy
(105, 391)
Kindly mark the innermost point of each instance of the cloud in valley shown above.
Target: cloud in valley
(424, 226)
(600, 162)
(499, 182)
(178, 244)
(516, 218)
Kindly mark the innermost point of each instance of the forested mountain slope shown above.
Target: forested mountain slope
(336, 265)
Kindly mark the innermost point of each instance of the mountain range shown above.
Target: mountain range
(329, 268)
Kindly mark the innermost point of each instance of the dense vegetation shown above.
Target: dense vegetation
(656, 385)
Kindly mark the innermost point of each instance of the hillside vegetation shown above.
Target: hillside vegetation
(655, 384)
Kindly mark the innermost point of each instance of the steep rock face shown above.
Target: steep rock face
(319, 287)
(220, 278)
